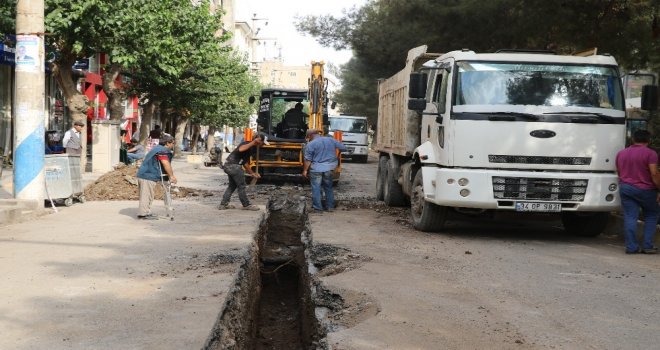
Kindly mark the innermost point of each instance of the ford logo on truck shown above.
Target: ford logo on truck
(543, 134)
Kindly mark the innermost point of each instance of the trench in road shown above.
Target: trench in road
(271, 303)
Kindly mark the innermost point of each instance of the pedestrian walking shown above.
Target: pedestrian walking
(237, 162)
(639, 181)
(72, 141)
(157, 163)
(319, 165)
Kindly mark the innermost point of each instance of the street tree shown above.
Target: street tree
(8, 16)
(381, 32)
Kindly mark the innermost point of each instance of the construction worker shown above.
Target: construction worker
(236, 164)
(319, 164)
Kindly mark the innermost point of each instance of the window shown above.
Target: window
(538, 84)
(440, 94)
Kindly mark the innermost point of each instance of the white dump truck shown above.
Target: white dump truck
(512, 130)
(354, 136)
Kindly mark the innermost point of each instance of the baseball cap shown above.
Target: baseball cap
(78, 122)
(165, 139)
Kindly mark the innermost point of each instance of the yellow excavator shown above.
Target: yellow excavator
(284, 117)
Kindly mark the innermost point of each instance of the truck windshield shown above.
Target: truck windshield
(348, 124)
(525, 83)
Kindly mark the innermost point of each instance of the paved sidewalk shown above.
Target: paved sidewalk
(93, 277)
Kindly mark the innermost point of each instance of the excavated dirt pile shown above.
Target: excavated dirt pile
(122, 184)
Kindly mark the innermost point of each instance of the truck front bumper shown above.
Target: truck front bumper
(356, 150)
(498, 189)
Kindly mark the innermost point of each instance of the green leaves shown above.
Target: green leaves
(8, 16)
(170, 48)
(381, 32)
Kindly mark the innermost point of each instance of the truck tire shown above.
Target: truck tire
(392, 191)
(380, 178)
(426, 216)
(361, 158)
(584, 224)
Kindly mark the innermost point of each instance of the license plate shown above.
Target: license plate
(539, 207)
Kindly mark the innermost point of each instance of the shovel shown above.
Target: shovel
(253, 180)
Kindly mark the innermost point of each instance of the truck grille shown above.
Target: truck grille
(523, 188)
(493, 158)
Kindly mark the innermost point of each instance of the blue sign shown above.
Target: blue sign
(7, 53)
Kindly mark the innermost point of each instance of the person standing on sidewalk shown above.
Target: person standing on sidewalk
(72, 141)
(236, 161)
(639, 181)
(156, 163)
(320, 163)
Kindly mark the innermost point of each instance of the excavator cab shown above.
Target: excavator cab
(284, 117)
(283, 114)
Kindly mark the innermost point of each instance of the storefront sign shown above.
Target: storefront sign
(6, 54)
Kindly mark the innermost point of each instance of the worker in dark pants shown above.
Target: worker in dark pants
(236, 164)
(639, 182)
(319, 165)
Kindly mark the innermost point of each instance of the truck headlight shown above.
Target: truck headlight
(463, 181)
(613, 187)
(465, 192)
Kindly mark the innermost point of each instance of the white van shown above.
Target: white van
(354, 136)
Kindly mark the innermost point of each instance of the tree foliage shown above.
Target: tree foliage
(173, 50)
(7, 16)
(381, 32)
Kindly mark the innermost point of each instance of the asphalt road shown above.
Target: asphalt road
(484, 283)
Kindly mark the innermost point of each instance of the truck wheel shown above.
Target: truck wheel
(426, 216)
(380, 178)
(584, 224)
(392, 191)
(362, 159)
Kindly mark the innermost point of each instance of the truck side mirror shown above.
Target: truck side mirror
(417, 104)
(650, 97)
(333, 105)
(251, 99)
(417, 85)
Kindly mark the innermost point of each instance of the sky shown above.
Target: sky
(296, 48)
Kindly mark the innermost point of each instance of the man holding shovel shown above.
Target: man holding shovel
(236, 161)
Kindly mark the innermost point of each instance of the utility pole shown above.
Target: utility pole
(29, 132)
(253, 36)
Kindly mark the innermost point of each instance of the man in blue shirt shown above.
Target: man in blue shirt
(320, 163)
(157, 162)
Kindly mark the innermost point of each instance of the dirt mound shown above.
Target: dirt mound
(122, 184)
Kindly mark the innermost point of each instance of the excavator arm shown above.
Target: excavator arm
(318, 91)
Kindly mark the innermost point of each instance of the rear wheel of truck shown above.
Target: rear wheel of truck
(426, 216)
(380, 178)
(584, 223)
(392, 191)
